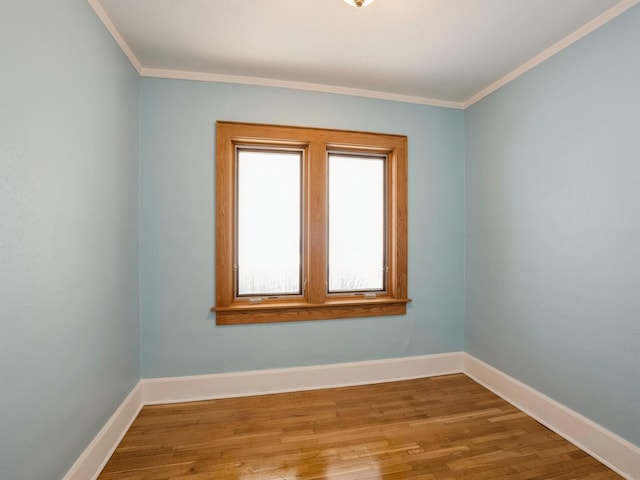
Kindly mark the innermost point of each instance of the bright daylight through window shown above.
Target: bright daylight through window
(268, 222)
(356, 223)
(310, 224)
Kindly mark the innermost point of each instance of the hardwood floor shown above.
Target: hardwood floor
(440, 428)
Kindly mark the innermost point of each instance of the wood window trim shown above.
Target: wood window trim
(314, 303)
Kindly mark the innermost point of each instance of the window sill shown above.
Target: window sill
(297, 311)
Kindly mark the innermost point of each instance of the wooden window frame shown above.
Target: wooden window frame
(314, 303)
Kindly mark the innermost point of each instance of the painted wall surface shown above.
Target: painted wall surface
(69, 334)
(179, 335)
(553, 227)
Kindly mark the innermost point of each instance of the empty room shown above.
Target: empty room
(329, 239)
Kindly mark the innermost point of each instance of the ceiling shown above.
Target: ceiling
(438, 52)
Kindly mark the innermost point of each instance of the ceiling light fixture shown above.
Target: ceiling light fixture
(359, 3)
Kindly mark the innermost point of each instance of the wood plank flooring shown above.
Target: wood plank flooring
(440, 428)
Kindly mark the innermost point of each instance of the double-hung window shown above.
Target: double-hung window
(310, 224)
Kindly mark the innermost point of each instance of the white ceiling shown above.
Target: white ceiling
(440, 52)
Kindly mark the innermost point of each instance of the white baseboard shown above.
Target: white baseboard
(260, 382)
(225, 385)
(610, 449)
(95, 456)
(607, 447)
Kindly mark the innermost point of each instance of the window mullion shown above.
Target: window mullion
(316, 223)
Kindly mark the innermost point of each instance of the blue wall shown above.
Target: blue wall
(553, 227)
(179, 335)
(69, 333)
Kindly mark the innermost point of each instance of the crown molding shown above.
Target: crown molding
(570, 39)
(567, 41)
(313, 87)
(106, 20)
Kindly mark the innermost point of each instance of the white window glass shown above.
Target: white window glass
(268, 222)
(356, 223)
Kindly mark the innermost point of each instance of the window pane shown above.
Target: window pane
(356, 223)
(268, 222)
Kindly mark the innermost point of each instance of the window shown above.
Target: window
(357, 223)
(268, 223)
(310, 224)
